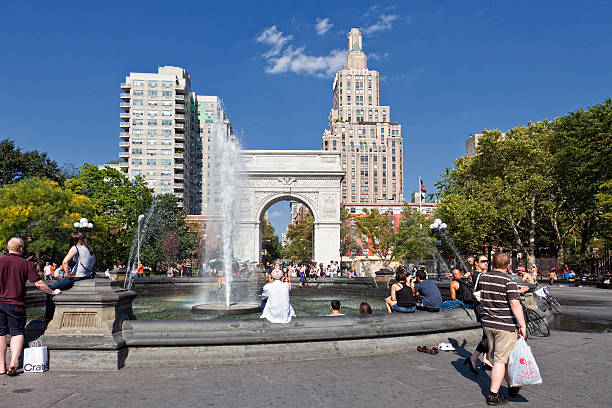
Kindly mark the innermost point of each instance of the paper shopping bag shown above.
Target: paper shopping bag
(35, 360)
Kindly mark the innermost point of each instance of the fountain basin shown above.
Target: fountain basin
(222, 309)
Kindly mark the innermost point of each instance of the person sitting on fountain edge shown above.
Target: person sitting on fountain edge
(431, 299)
(461, 292)
(402, 299)
(275, 299)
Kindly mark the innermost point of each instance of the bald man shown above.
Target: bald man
(14, 271)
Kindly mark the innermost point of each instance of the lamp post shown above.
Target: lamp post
(437, 227)
(83, 226)
(140, 218)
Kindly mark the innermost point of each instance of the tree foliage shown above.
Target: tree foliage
(17, 165)
(531, 187)
(378, 229)
(117, 203)
(300, 237)
(42, 213)
(414, 238)
(270, 244)
(348, 234)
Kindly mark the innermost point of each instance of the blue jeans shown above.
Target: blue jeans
(455, 304)
(62, 284)
(401, 309)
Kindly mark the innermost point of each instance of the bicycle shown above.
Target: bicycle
(552, 302)
(535, 322)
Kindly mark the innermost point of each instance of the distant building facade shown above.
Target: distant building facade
(360, 128)
(161, 135)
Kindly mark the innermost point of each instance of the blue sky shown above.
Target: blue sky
(448, 69)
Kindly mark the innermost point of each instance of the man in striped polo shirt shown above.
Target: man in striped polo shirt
(502, 314)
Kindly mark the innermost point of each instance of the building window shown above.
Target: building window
(166, 122)
(152, 122)
(138, 92)
(152, 103)
(136, 161)
(151, 162)
(166, 93)
(166, 151)
(136, 151)
(150, 172)
(166, 162)
(138, 102)
(138, 82)
(166, 142)
(136, 172)
(151, 141)
(153, 84)
(152, 93)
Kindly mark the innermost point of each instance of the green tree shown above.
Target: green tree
(270, 244)
(117, 202)
(17, 165)
(414, 238)
(348, 233)
(581, 149)
(165, 215)
(42, 213)
(378, 230)
(300, 243)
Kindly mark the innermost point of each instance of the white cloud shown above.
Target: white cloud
(384, 23)
(274, 214)
(322, 26)
(376, 56)
(275, 39)
(283, 57)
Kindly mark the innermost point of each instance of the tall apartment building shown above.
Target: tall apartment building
(158, 125)
(360, 128)
(208, 108)
(165, 134)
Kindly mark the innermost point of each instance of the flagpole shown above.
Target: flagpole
(420, 194)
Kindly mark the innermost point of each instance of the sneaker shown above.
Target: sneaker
(496, 400)
(513, 391)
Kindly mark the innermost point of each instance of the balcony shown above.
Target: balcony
(179, 156)
(179, 145)
(180, 118)
(179, 107)
(125, 116)
(125, 96)
(125, 106)
(179, 186)
(179, 89)
(124, 135)
(179, 138)
(124, 164)
(124, 145)
(179, 166)
(179, 127)
(126, 85)
(179, 177)
(124, 125)
(180, 98)
(124, 155)
(178, 195)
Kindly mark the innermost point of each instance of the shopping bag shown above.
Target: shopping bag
(522, 367)
(35, 359)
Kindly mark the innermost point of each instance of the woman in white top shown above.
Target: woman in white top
(83, 256)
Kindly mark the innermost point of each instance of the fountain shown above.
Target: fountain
(222, 215)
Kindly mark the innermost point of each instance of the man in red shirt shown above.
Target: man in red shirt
(14, 271)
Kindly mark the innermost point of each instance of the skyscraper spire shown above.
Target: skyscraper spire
(355, 59)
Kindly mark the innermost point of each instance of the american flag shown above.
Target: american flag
(423, 188)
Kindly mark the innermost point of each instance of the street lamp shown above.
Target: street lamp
(83, 225)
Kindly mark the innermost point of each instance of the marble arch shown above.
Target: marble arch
(310, 177)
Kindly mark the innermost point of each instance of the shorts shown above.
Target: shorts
(401, 309)
(12, 319)
(501, 344)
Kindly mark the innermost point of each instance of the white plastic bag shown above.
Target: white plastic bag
(522, 367)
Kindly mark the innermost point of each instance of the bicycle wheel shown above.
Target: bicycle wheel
(554, 304)
(539, 322)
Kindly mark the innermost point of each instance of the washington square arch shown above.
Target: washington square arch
(312, 178)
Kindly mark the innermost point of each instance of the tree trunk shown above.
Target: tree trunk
(532, 233)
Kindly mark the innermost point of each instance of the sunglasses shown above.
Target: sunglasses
(483, 261)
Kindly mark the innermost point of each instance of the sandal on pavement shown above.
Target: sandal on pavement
(425, 349)
(12, 371)
(433, 351)
(420, 348)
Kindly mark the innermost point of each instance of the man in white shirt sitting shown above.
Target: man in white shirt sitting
(275, 305)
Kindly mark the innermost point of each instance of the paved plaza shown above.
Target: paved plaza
(575, 368)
